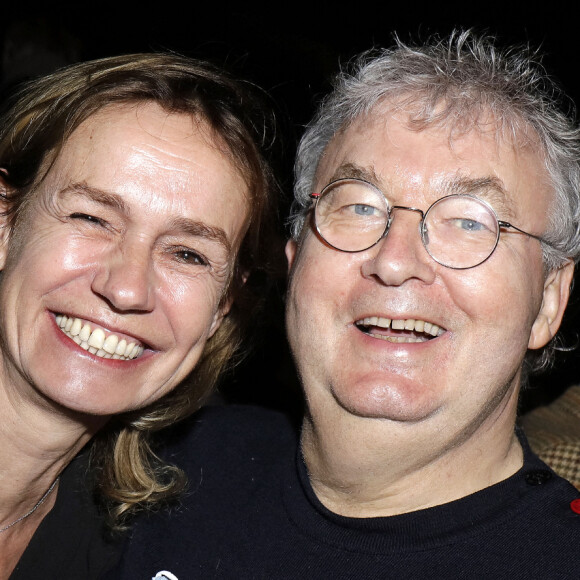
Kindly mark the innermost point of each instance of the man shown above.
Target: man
(432, 252)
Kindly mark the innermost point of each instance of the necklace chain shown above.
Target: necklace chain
(30, 512)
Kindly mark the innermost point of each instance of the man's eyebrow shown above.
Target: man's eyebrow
(97, 195)
(353, 171)
(490, 188)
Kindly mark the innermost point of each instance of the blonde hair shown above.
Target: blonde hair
(33, 129)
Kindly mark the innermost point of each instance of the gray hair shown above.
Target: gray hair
(458, 81)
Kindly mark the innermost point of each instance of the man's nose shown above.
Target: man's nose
(400, 255)
(125, 278)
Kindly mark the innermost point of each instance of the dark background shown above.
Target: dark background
(292, 50)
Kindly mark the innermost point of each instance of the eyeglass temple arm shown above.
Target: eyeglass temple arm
(507, 225)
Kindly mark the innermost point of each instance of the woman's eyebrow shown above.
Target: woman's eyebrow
(179, 224)
(200, 229)
(97, 195)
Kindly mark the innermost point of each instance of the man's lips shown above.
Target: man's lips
(99, 341)
(399, 329)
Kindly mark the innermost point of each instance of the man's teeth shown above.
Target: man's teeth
(96, 341)
(402, 324)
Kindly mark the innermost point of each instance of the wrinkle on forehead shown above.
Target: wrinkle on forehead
(508, 130)
(202, 127)
(419, 113)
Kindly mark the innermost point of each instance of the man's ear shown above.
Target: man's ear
(555, 299)
(290, 250)
(4, 225)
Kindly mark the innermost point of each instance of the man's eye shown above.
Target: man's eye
(358, 210)
(469, 225)
(365, 210)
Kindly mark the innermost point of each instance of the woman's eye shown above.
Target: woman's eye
(191, 257)
(87, 217)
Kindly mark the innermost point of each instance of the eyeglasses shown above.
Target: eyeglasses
(458, 231)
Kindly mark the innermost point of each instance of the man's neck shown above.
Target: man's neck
(366, 467)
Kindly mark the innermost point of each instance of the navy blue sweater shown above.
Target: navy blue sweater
(250, 513)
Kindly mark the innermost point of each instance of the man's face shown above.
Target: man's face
(132, 238)
(488, 315)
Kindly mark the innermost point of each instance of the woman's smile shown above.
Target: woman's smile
(97, 340)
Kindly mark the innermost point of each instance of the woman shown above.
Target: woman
(134, 192)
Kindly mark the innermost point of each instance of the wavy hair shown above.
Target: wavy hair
(33, 129)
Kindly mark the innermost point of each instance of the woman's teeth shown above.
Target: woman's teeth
(96, 341)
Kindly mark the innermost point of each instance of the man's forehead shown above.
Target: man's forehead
(511, 132)
(483, 161)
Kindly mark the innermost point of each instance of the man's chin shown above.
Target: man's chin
(399, 401)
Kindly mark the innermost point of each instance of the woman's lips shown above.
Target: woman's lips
(98, 341)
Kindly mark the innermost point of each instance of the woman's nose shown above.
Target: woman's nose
(126, 278)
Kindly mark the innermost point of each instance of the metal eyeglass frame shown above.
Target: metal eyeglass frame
(502, 225)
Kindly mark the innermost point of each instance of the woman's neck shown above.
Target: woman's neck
(37, 440)
(16, 535)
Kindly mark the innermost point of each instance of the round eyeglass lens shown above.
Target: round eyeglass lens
(460, 231)
(351, 215)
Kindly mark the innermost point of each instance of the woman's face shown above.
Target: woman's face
(129, 244)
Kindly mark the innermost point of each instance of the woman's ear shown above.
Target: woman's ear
(4, 224)
(555, 299)
(227, 304)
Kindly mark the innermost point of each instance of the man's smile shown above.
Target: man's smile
(399, 329)
(98, 341)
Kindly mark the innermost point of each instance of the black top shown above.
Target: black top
(251, 513)
(71, 542)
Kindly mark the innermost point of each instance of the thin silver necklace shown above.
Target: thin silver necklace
(38, 504)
